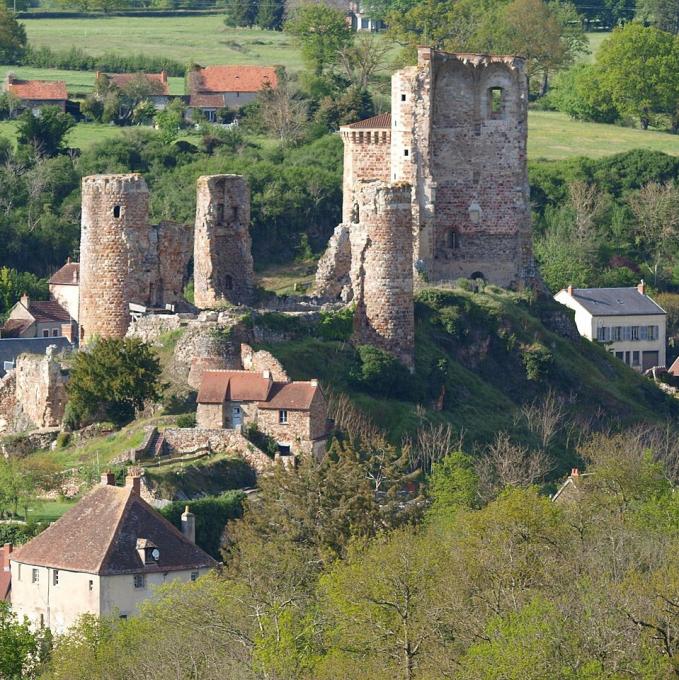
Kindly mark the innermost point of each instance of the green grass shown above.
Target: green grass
(555, 136)
(595, 40)
(49, 511)
(288, 279)
(202, 39)
(82, 136)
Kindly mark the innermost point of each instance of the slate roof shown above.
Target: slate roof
(159, 79)
(381, 120)
(11, 348)
(68, 275)
(99, 536)
(292, 396)
(217, 387)
(616, 301)
(44, 90)
(234, 78)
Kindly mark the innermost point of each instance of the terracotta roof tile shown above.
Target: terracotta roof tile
(99, 536)
(207, 101)
(157, 79)
(46, 90)
(236, 78)
(44, 311)
(293, 396)
(68, 275)
(380, 121)
(219, 386)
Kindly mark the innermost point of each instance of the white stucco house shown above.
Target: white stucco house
(630, 323)
(105, 556)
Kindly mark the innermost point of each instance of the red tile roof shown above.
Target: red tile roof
(159, 80)
(378, 122)
(68, 275)
(42, 90)
(216, 387)
(235, 78)
(99, 536)
(207, 101)
(293, 396)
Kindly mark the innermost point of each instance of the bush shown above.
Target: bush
(212, 514)
(537, 360)
(337, 325)
(63, 440)
(381, 374)
(186, 420)
(16, 534)
(579, 93)
(262, 441)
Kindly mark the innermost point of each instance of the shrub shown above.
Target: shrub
(337, 325)
(261, 440)
(63, 440)
(212, 514)
(537, 360)
(381, 374)
(186, 420)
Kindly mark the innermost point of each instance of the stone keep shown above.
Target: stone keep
(114, 214)
(459, 134)
(382, 268)
(223, 266)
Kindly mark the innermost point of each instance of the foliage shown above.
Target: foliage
(261, 440)
(337, 325)
(322, 32)
(579, 93)
(12, 37)
(17, 534)
(44, 133)
(380, 373)
(537, 360)
(212, 515)
(453, 484)
(21, 650)
(170, 120)
(13, 284)
(186, 420)
(113, 378)
(664, 14)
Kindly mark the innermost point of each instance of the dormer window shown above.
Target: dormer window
(148, 551)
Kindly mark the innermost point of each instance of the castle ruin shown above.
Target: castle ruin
(223, 266)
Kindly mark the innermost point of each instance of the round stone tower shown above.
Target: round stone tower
(114, 217)
(382, 268)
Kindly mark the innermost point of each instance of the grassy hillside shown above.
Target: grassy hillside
(474, 347)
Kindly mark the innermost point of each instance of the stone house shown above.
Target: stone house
(64, 287)
(38, 319)
(212, 88)
(105, 556)
(34, 94)
(629, 322)
(157, 84)
(293, 413)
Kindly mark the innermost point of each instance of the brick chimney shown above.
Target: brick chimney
(575, 472)
(570, 289)
(6, 552)
(189, 525)
(133, 482)
(108, 479)
(641, 287)
(266, 374)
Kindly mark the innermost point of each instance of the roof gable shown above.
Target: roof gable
(99, 536)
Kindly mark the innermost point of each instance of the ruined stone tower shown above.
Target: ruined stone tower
(223, 266)
(123, 258)
(114, 216)
(459, 133)
(382, 269)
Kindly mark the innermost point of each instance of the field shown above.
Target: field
(81, 137)
(201, 39)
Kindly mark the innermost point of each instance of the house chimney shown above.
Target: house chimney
(267, 374)
(314, 382)
(133, 481)
(189, 525)
(641, 287)
(570, 289)
(108, 479)
(25, 300)
(6, 552)
(575, 472)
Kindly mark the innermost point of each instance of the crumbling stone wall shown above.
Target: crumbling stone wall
(332, 273)
(462, 121)
(223, 266)
(40, 389)
(123, 258)
(7, 401)
(261, 361)
(382, 269)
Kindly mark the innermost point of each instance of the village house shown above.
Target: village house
(38, 319)
(212, 88)
(361, 21)
(105, 556)
(630, 323)
(156, 84)
(64, 287)
(34, 94)
(293, 413)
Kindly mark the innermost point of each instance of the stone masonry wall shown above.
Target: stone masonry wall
(223, 266)
(114, 214)
(332, 273)
(7, 401)
(41, 389)
(382, 269)
(262, 361)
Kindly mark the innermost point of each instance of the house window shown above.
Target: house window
(55, 332)
(635, 332)
(90, 585)
(55, 577)
(601, 333)
(45, 333)
(283, 417)
(495, 102)
(617, 333)
(116, 211)
(194, 575)
(139, 581)
(635, 358)
(35, 576)
(652, 333)
(620, 355)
